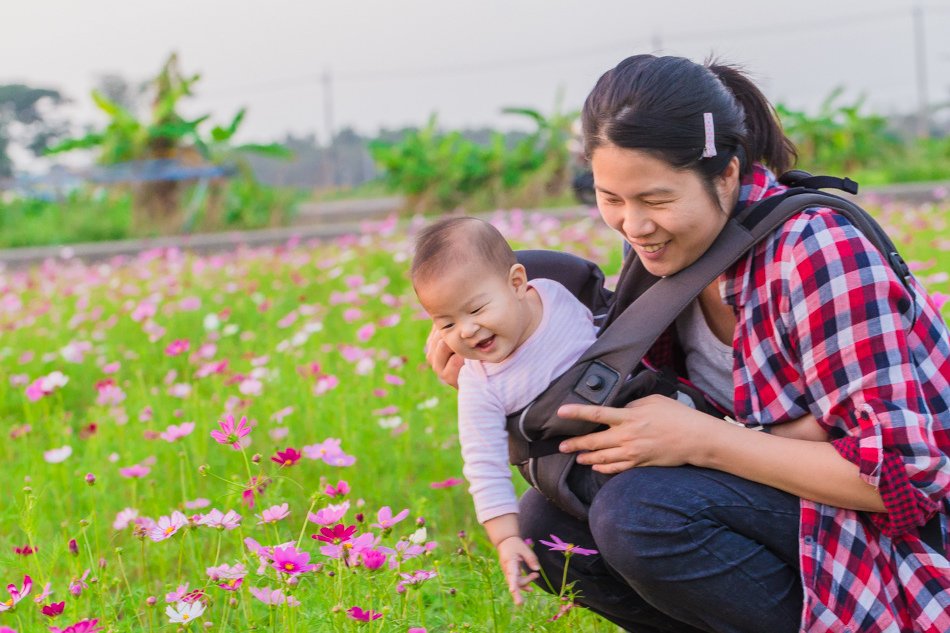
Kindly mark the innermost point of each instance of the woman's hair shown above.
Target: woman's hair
(460, 241)
(657, 105)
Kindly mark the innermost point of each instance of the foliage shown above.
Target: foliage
(841, 139)
(94, 214)
(442, 170)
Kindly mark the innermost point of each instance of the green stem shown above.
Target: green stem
(128, 586)
(306, 520)
(567, 561)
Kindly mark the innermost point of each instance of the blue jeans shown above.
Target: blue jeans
(681, 549)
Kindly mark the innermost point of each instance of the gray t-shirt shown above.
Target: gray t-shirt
(708, 360)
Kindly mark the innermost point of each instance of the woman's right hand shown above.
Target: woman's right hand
(444, 362)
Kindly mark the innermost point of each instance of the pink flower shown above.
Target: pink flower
(340, 490)
(254, 488)
(447, 483)
(568, 548)
(216, 519)
(176, 432)
(83, 626)
(274, 514)
(394, 380)
(939, 299)
(366, 332)
(363, 616)
(123, 518)
(110, 395)
(291, 561)
(330, 452)
(337, 534)
(176, 347)
(386, 518)
(287, 457)
(166, 527)
(227, 572)
(273, 597)
(43, 595)
(77, 585)
(278, 416)
(330, 514)
(178, 595)
(414, 579)
(230, 432)
(16, 595)
(197, 504)
(135, 471)
(325, 384)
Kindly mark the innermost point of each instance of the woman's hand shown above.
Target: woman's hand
(444, 362)
(650, 431)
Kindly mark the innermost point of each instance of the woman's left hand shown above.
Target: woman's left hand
(650, 431)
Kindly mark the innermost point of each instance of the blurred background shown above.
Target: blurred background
(122, 119)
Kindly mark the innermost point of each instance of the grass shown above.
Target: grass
(307, 341)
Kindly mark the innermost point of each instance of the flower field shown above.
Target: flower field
(252, 441)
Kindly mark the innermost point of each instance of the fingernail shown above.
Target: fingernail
(562, 447)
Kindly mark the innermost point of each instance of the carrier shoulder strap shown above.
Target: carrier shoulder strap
(620, 347)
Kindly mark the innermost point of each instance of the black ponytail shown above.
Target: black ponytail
(657, 105)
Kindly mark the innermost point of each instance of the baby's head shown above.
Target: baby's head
(468, 280)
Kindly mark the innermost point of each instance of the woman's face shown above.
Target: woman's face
(667, 215)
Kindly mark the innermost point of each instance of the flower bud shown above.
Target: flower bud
(256, 458)
(90, 478)
(151, 600)
(83, 523)
(73, 547)
(204, 469)
(359, 517)
(420, 521)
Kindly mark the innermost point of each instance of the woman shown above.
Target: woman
(836, 518)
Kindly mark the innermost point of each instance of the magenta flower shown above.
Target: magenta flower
(53, 609)
(287, 457)
(166, 527)
(273, 514)
(16, 595)
(447, 483)
(386, 518)
(372, 559)
(337, 534)
(83, 626)
(230, 432)
(254, 488)
(289, 560)
(568, 548)
(363, 616)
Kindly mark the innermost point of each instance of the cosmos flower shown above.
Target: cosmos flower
(16, 595)
(184, 612)
(330, 514)
(166, 527)
(287, 457)
(83, 626)
(568, 548)
(230, 432)
(289, 560)
(274, 514)
(273, 597)
(217, 519)
(363, 616)
(386, 520)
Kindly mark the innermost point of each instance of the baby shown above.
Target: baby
(516, 336)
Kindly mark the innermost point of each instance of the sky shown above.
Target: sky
(394, 63)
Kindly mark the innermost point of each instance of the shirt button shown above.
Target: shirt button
(809, 540)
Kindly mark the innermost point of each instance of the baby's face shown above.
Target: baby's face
(481, 314)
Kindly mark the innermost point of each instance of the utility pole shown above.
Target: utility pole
(327, 81)
(923, 107)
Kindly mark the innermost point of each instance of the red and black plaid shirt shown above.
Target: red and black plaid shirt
(820, 330)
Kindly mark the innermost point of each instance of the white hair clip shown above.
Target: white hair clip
(710, 148)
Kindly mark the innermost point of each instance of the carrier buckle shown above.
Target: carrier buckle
(596, 383)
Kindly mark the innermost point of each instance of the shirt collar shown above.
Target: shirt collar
(758, 184)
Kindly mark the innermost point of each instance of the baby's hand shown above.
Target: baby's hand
(511, 553)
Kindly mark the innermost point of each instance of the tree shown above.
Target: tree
(24, 122)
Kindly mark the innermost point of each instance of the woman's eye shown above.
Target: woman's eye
(447, 326)
(655, 203)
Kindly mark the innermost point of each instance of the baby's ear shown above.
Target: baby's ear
(518, 278)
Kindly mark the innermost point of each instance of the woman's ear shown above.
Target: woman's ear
(727, 184)
(518, 278)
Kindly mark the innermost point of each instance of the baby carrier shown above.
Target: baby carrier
(613, 371)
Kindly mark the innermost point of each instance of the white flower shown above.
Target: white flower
(211, 321)
(185, 612)
(390, 422)
(57, 455)
(419, 536)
